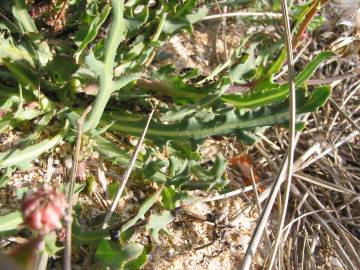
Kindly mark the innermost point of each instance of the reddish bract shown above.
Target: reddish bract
(43, 209)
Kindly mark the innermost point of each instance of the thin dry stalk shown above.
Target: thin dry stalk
(288, 226)
(243, 14)
(269, 142)
(253, 183)
(231, 193)
(262, 221)
(258, 204)
(307, 154)
(127, 173)
(223, 28)
(67, 253)
(341, 111)
(348, 138)
(292, 129)
(324, 184)
(286, 168)
(348, 97)
(298, 207)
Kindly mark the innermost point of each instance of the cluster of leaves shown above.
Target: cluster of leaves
(46, 80)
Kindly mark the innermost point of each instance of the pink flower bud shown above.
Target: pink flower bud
(43, 209)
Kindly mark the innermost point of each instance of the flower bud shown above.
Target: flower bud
(43, 209)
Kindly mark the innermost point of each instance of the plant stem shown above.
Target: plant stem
(67, 255)
(116, 35)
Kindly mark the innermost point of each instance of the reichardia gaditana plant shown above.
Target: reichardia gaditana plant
(175, 123)
(46, 81)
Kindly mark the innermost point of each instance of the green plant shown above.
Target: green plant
(42, 81)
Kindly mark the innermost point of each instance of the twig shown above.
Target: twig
(242, 14)
(67, 254)
(127, 173)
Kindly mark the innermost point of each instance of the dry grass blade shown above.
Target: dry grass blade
(350, 95)
(288, 226)
(292, 128)
(298, 207)
(262, 221)
(286, 168)
(232, 193)
(348, 138)
(243, 14)
(353, 261)
(324, 184)
(67, 254)
(253, 183)
(325, 226)
(127, 173)
(341, 111)
(307, 154)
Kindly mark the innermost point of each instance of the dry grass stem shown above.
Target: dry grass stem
(292, 129)
(348, 138)
(341, 111)
(67, 253)
(243, 14)
(127, 173)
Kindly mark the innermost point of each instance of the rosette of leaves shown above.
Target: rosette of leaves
(46, 81)
(111, 47)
